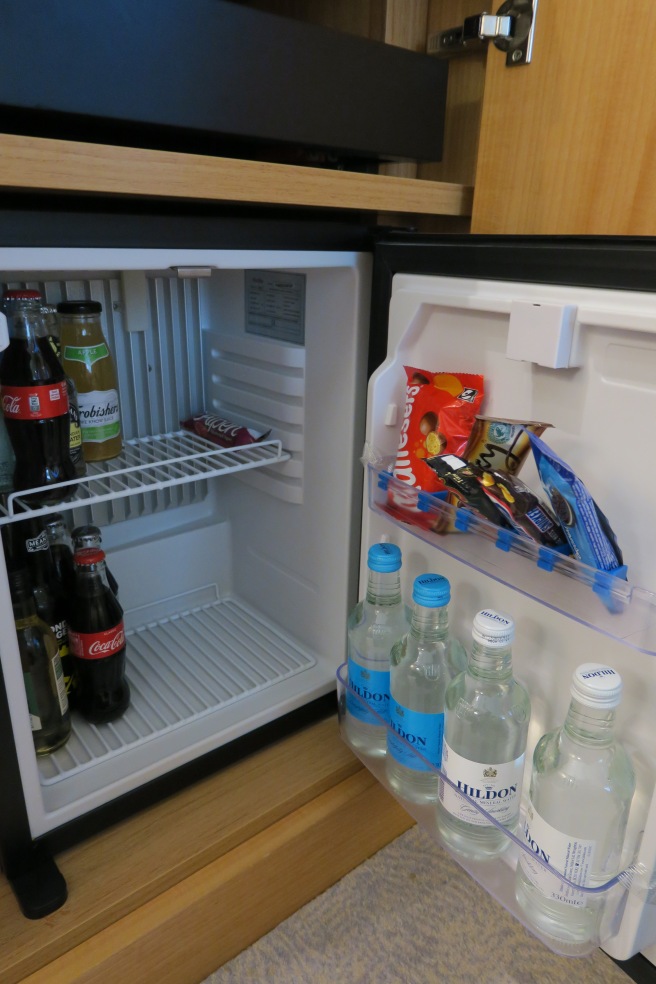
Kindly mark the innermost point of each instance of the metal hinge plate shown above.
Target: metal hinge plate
(511, 30)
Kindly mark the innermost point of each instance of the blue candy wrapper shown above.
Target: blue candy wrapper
(587, 530)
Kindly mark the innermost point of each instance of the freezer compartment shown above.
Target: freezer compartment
(602, 601)
(610, 903)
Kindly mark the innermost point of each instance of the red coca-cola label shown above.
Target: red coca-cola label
(97, 645)
(34, 402)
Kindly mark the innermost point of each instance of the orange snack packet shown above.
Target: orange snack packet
(440, 411)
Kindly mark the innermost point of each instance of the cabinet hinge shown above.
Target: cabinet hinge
(510, 29)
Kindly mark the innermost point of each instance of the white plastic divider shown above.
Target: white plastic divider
(149, 464)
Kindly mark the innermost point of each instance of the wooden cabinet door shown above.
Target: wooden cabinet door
(568, 143)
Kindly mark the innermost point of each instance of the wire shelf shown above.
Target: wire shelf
(145, 465)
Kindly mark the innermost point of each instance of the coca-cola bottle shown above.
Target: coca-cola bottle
(35, 402)
(90, 536)
(97, 640)
(49, 315)
(27, 545)
(42, 671)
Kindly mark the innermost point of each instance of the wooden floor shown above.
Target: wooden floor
(175, 891)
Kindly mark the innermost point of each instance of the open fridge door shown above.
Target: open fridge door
(582, 360)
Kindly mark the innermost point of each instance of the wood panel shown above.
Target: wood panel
(60, 165)
(464, 98)
(184, 934)
(568, 142)
(127, 866)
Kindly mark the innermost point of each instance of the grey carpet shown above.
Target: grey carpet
(409, 915)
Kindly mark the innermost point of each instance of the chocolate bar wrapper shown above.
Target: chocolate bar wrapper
(460, 479)
(222, 432)
(587, 530)
(525, 511)
(501, 445)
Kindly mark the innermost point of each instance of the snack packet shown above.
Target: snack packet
(439, 414)
(222, 432)
(525, 511)
(501, 445)
(587, 530)
(460, 478)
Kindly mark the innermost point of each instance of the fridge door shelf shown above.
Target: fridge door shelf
(149, 464)
(606, 903)
(599, 600)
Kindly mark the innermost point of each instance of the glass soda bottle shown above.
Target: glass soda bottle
(582, 784)
(35, 402)
(485, 731)
(61, 549)
(90, 536)
(375, 624)
(420, 671)
(89, 363)
(49, 314)
(97, 640)
(47, 703)
(7, 459)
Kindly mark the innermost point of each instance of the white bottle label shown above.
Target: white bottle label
(60, 683)
(571, 856)
(99, 415)
(496, 787)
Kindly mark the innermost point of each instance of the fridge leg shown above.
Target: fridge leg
(40, 888)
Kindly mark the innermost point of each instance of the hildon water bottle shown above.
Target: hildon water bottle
(582, 784)
(421, 665)
(485, 730)
(375, 624)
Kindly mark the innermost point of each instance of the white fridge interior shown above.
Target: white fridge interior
(236, 568)
(583, 360)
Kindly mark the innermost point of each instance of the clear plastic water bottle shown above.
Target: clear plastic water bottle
(420, 671)
(374, 625)
(582, 784)
(485, 730)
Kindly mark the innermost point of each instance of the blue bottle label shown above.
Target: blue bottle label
(372, 687)
(424, 732)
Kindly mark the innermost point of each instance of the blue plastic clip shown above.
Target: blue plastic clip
(504, 540)
(603, 586)
(546, 559)
(463, 520)
(424, 501)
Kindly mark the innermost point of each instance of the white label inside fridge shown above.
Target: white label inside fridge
(572, 856)
(275, 305)
(494, 786)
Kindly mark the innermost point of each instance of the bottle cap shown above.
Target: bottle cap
(384, 558)
(21, 295)
(597, 685)
(79, 307)
(88, 556)
(492, 628)
(431, 591)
